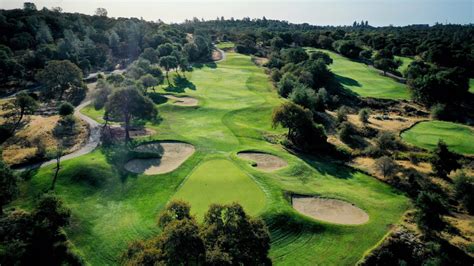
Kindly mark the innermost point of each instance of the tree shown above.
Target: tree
(66, 109)
(127, 104)
(59, 77)
(364, 115)
(8, 185)
(37, 237)
(149, 81)
(347, 48)
(101, 93)
(321, 55)
(294, 55)
(444, 161)
(28, 6)
(22, 105)
(302, 131)
(430, 208)
(227, 237)
(151, 55)
(168, 63)
(232, 238)
(63, 133)
(303, 96)
(464, 189)
(386, 166)
(286, 84)
(101, 12)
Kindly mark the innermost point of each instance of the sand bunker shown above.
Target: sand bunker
(264, 161)
(182, 101)
(173, 154)
(329, 210)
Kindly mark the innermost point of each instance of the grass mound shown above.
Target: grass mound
(363, 80)
(220, 181)
(459, 138)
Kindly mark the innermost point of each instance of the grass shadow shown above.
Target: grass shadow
(347, 81)
(157, 98)
(327, 166)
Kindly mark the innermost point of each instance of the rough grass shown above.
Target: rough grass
(225, 45)
(406, 61)
(471, 85)
(236, 100)
(459, 138)
(363, 80)
(220, 181)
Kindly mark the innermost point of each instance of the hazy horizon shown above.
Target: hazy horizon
(316, 12)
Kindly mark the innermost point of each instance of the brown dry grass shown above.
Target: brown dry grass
(465, 225)
(22, 147)
(395, 123)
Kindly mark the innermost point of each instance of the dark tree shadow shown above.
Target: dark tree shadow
(327, 166)
(208, 64)
(347, 81)
(157, 98)
(180, 84)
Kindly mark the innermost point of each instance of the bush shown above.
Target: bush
(346, 132)
(387, 141)
(438, 111)
(386, 166)
(464, 188)
(341, 114)
(66, 109)
(364, 115)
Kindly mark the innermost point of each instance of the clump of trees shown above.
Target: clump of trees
(126, 105)
(23, 104)
(444, 161)
(302, 131)
(226, 237)
(37, 236)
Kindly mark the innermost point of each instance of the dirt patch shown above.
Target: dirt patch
(264, 161)
(329, 210)
(24, 146)
(171, 156)
(118, 132)
(182, 101)
(216, 55)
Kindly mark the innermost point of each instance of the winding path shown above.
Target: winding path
(92, 142)
(222, 54)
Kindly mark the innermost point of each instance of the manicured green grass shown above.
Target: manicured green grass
(220, 181)
(406, 61)
(363, 80)
(225, 45)
(459, 138)
(471, 85)
(97, 115)
(236, 100)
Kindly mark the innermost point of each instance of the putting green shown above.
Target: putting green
(459, 138)
(363, 80)
(220, 181)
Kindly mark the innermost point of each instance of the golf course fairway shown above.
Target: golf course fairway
(236, 100)
(363, 80)
(459, 138)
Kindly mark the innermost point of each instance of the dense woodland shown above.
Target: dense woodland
(48, 53)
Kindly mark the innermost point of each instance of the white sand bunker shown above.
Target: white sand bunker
(264, 161)
(182, 101)
(329, 210)
(173, 154)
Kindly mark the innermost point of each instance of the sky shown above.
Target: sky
(316, 12)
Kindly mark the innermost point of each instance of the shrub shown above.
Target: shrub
(66, 109)
(464, 188)
(430, 207)
(364, 115)
(438, 111)
(346, 132)
(341, 114)
(386, 166)
(443, 160)
(387, 141)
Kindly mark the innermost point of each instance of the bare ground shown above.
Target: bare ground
(264, 161)
(182, 101)
(173, 154)
(329, 210)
